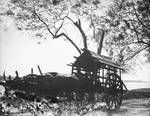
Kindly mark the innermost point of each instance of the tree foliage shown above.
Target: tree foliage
(125, 28)
(45, 17)
(128, 24)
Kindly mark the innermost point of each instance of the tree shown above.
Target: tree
(45, 17)
(128, 25)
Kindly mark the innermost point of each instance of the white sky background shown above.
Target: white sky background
(19, 51)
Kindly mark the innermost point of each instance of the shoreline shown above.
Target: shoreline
(137, 93)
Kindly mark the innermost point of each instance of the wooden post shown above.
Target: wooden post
(108, 70)
(17, 75)
(31, 70)
(9, 77)
(99, 72)
(78, 70)
(72, 68)
(102, 72)
(40, 70)
(120, 73)
(4, 76)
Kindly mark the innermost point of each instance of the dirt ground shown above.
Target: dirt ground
(132, 107)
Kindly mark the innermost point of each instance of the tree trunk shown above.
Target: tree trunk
(78, 25)
(101, 39)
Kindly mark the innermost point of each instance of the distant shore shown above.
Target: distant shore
(137, 93)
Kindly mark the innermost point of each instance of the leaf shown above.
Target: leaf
(10, 13)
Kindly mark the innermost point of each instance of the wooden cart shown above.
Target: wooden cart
(92, 75)
(104, 75)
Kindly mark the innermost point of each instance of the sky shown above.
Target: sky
(20, 51)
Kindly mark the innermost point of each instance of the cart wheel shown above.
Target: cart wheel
(113, 92)
(82, 96)
(73, 95)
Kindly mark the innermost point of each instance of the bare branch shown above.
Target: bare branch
(139, 40)
(136, 32)
(94, 27)
(43, 23)
(136, 14)
(130, 57)
(63, 34)
(59, 27)
(57, 36)
(78, 25)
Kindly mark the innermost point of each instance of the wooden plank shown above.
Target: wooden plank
(17, 74)
(31, 70)
(71, 64)
(40, 70)
(75, 57)
(102, 77)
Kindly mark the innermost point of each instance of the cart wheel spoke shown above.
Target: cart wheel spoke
(114, 89)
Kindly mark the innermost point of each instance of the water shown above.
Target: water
(137, 85)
